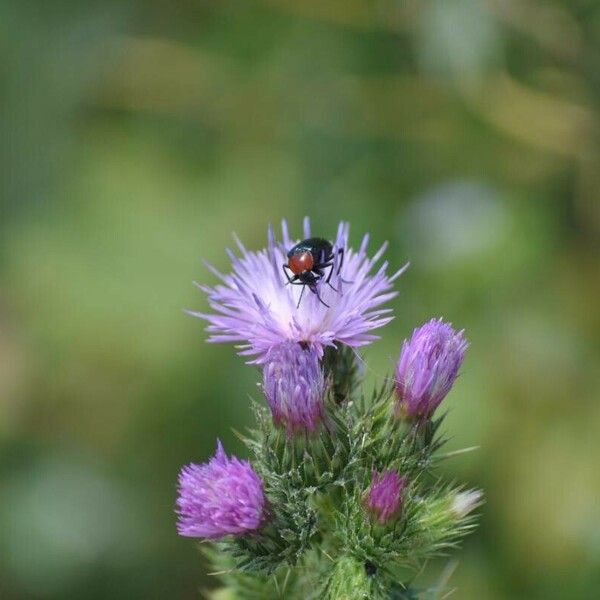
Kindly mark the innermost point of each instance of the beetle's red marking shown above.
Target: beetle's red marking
(301, 262)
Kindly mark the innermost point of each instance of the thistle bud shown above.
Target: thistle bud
(465, 502)
(384, 498)
(221, 497)
(428, 366)
(294, 385)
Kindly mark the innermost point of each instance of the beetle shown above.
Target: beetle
(307, 262)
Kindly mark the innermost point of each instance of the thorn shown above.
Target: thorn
(461, 451)
(276, 585)
(219, 573)
(285, 581)
(239, 435)
(448, 594)
(327, 555)
(445, 577)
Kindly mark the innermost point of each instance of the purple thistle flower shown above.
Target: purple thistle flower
(428, 366)
(384, 498)
(294, 386)
(221, 497)
(254, 306)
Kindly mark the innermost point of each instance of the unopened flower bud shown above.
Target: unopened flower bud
(428, 366)
(294, 385)
(464, 502)
(384, 498)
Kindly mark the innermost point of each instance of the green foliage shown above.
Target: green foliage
(319, 536)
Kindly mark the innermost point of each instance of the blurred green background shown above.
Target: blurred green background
(136, 136)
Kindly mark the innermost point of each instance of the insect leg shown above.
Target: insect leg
(330, 264)
(300, 299)
(319, 271)
(327, 281)
(319, 266)
(289, 279)
(341, 255)
(314, 290)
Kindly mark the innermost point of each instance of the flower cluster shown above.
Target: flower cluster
(322, 450)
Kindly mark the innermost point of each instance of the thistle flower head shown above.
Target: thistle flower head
(465, 502)
(384, 498)
(221, 497)
(256, 307)
(294, 386)
(428, 366)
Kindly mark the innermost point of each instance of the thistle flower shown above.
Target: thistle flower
(294, 385)
(428, 366)
(221, 497)
(384, 498)
(465, 502)
(255, 308)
